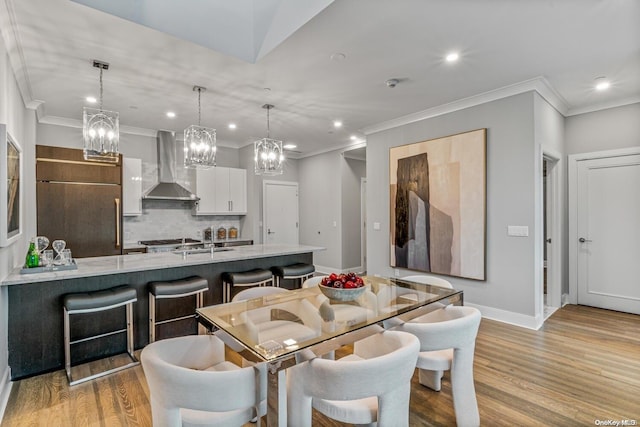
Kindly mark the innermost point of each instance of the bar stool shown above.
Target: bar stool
(297, 271)
(255, 277)
(174, 289)
(92, 302)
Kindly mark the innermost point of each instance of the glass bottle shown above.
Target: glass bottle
(33, 258)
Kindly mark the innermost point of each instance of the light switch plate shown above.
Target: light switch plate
(518, 230)
(376, 226)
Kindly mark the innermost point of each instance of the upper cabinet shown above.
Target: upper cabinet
(222, 191)
(131, 186)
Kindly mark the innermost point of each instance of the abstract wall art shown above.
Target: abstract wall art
(10, 188)
(438, 205)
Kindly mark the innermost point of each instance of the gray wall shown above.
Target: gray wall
(21, 124)
(511, 173)
(352, 172)
(609, 129)
(321, 207)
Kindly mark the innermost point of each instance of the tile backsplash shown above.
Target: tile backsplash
(172, 220)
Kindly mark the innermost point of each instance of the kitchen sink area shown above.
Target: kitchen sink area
(199, 249)
(191, 246)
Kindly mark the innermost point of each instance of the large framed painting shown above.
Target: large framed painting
(10, 188)
(438, 205)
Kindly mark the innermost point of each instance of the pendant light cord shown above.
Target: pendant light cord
(100, 88)
(199, 114)
(268, 130)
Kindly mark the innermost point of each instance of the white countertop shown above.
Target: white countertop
(102, 266)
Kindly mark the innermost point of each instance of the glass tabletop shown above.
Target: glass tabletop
(278, 326)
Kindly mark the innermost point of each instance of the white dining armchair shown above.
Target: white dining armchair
(372, 385)
(191, 384)
(447, 342)
(258, 292)
(429, 280)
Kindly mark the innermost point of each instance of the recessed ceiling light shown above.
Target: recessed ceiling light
(171, 114)
(602, 83)
(91, 99)
(289, 146)
(232, 126)
(353, 137)
(452, 57)
(337, 124)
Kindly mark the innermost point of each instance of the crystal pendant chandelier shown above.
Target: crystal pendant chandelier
(100, 129)
(269, 155)
(199, 142)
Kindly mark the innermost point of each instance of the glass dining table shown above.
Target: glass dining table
(291, 327)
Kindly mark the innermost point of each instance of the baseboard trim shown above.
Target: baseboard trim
(5, 390)
(504, 316)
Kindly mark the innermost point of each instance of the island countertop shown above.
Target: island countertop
(106, 265)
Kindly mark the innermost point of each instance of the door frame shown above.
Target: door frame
(553, 207)
(363, 224)
(264, 204)
(573, 206)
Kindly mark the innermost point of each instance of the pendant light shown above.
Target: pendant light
(100, 129)
(199, 142)
(269, 158)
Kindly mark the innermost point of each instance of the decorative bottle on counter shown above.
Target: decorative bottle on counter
(32, 259)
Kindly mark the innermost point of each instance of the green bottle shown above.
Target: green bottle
(33, 259)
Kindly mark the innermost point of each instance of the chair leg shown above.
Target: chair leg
(431, 379)
(152, 318)
(67, 345)
(130, 345)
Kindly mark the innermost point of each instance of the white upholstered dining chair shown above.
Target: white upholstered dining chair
(191, 384)
(447, 342)
(372, 385)
(429, 280)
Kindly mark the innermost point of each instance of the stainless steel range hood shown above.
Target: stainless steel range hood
(168, 188)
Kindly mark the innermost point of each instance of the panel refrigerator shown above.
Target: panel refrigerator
(79, 201)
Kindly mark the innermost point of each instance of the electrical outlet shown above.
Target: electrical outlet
(397, 272)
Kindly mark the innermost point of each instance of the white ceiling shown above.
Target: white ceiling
(568, 43)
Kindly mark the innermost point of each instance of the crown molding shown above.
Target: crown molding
(77, 123)
(537, 84)
(603, 106)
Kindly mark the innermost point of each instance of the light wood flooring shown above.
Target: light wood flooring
(582, 366)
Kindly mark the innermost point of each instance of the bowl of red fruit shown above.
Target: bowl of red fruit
(342, 287)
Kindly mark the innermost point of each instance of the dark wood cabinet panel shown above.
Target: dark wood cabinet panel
(86, 216)
(68, 165)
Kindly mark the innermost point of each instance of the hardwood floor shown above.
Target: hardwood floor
(582, 366)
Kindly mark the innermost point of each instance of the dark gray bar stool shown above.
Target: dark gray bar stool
(174, 289)
(255, 277)
(92, 302)
(294, 271)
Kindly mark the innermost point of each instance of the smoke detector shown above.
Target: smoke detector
(392, 82)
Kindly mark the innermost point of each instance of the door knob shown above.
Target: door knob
(583, 240)
(270, 232)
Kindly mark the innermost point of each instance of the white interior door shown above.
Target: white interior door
(280, 212)
(608, 232)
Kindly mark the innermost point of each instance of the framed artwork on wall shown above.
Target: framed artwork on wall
(10, 188)
(438, 205)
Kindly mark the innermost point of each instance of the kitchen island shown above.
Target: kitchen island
(34, 327)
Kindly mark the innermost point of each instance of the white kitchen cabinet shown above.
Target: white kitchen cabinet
(131, 186)
(222, 191)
